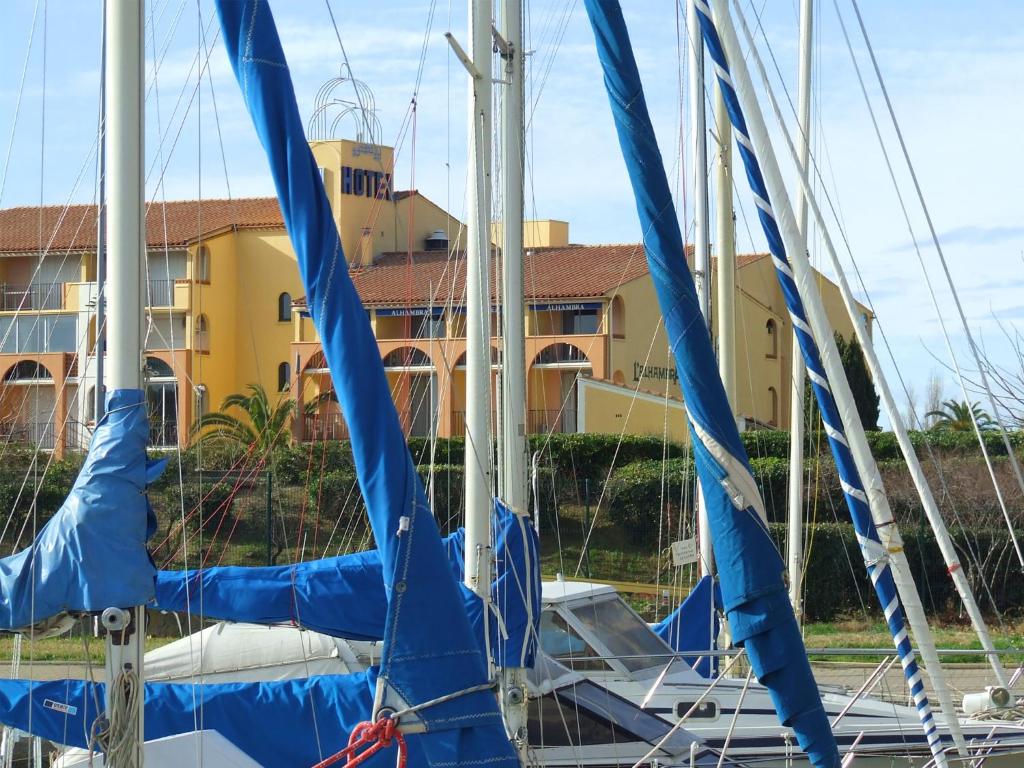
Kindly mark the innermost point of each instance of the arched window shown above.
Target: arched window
(618, 318)
(406, 357)
(28, 370)
(773, 338)
(202, 333)
(284, 377)
(773, 402)
(284, 307)
(203, 264)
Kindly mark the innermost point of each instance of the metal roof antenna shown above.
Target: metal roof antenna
(330, 111)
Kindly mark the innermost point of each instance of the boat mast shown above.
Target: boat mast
(99, 392)
(794, 539)
(892, 411)
(701, 274)
(123, 140)
(479, 451)
(509, 41)
(725, 298)
(513, 374)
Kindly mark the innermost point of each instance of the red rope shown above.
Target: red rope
(375, 737)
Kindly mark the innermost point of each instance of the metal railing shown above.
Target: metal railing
(160, 293)
(544, 422)
(163, 434)
(41, 435)
(326, 426)
(33, 296)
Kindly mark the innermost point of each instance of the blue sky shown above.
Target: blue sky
(954, 75)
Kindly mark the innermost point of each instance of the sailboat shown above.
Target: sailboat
(421, 681)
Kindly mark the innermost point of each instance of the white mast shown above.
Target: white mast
(794, 539)
(126, 249)
(725, 298)
(874, 491)
(942, 537)
(701, 273)
(513, 369)
(513, 373)
(479, 464)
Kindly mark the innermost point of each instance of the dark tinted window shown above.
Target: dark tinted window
(554, 723)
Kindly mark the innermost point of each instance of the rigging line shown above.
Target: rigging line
(17, 104)
(927, 278)
(149, 315)
(939, 251)
(836, 212)
(560, 35)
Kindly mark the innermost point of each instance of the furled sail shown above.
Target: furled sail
(692, 628)
(91, 554)
(880, 544)
(750, 568)
(344, 596)
(431, 662)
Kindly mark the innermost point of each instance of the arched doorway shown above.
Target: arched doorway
(29, 405)
(161, 402)
(554, 394)
(413, 383)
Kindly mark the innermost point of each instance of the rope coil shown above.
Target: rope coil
(371, 738)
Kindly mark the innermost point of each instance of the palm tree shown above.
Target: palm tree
(955, 416)
(261, 425)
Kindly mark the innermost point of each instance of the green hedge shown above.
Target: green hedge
(836, 582)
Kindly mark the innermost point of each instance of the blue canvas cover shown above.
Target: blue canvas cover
(750, 568)
(344, 596)
(693, 626)
(429, 648)
(91, 554)
(287, 723)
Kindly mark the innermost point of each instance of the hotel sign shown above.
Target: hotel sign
(656, 372)
(584, 306)
(363, 183)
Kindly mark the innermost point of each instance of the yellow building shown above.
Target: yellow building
(225, 310)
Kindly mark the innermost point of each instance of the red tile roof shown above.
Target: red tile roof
(570, 272)
(176, 224)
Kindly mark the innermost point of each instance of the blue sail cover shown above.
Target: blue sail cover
(344, 596)
(91, 554)
(283, 723)
(750, 568)
(692, 628)
(429, 648)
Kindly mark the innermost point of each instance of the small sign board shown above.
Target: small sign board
(684, 552)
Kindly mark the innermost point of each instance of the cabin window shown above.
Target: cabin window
(623, 633)
(773, 338)
(563, 643)
(555, 723)
(284, 307)
(284, 377)
(706, 710)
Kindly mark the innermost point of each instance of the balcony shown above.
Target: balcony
(32, 297)
(324, 426)
(163, 434)
(168, 294)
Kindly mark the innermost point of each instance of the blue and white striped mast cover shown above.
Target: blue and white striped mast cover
(875, 555)
(750, 568)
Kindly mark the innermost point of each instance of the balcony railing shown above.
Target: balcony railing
(34, 296)
(39, 435)
(544, 422)
(326, 426)
(163, 434)
(161, 293)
